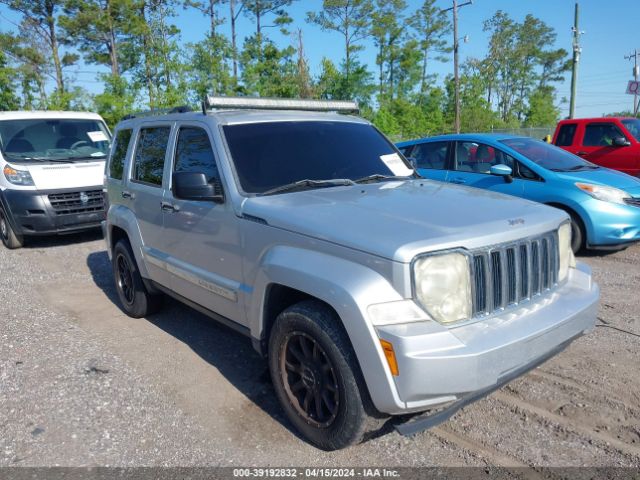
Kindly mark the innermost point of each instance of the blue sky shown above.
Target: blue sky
(611, 28)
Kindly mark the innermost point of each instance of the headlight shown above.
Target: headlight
(567, 259)
(443, 286)
(606, 194)
(18, 177)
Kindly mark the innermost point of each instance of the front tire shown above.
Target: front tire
(577, 233)
(10, 238)
(317, 378)
(136, 301)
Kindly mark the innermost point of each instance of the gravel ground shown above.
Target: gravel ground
(81, 384)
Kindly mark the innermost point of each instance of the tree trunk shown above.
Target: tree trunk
(381, 60)
(423, 81)
(53, 39)
(112, 44)
(234, 50)
(147, 62)
(212, 17)
(347, 59)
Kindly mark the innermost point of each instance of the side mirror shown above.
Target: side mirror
(413, 162)
(621, 142)
(194, 186)
(503, 171)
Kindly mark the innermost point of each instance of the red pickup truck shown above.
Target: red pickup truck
(612, 142)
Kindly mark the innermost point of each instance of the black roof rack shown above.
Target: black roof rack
(159, 111)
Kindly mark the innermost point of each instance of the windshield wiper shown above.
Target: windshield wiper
(376, 177)
(308, 184)
(36, 159)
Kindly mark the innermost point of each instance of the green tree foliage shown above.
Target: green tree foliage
(267, 70)
(542, 111)
(101, 30)
(137, 47)
(208, 68)
(518, 62)
(117, 99)
(431, 26)
(352, 20)
(8, 83)
(39, 25)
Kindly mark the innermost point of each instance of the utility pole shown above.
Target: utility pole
(636, 75)
(577, 50)
(456, 45)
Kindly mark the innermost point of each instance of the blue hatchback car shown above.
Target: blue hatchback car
(604, 204)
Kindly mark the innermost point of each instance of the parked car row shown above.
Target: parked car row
(372, 292)
(604, 204)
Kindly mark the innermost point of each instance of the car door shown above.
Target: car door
(201, 238)
(144, 193)
(472, 162)
(432, 159)
(597, 146)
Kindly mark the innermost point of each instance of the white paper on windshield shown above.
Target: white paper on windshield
(97, 136)
(396, 165)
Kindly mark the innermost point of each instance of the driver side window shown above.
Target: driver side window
(194, 153)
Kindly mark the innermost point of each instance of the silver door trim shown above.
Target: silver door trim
(213, 283)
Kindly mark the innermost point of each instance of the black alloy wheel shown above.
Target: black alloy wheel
(309, 380)
(125, 279)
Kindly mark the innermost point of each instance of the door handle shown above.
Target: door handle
(126, 194)
(167, 207)
(458, 180)
(582, 154)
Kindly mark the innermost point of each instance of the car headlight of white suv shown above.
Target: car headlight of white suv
(442, 285)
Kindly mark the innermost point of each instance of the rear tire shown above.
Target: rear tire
(136, 301)
(10, 238)
(317, 378)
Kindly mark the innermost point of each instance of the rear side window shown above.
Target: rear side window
(194, 153)
(150, 152)
(566, 134)
(431, 155)
(120, 146)
(601, 134)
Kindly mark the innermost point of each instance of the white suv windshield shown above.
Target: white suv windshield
(53, 139)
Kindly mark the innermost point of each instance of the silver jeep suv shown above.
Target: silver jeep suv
(372, 292)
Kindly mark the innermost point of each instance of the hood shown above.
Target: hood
(51, 176)
(606, 177)
(398, 220)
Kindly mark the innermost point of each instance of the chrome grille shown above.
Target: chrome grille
(509, 274)
(77, 202)
(633, 201)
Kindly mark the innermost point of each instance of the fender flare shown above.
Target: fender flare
(349, 288)
(122, 217)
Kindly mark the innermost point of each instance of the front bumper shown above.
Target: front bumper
(439, 365)
(611, 224)
(46, 212)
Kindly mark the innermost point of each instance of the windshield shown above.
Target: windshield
(633, 125)
(548, 156)
(53, 139)
(272, 154)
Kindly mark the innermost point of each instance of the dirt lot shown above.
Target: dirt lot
(82, 384)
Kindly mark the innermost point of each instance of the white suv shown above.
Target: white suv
(52, 170)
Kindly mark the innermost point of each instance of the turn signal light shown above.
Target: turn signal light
(390, 355)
